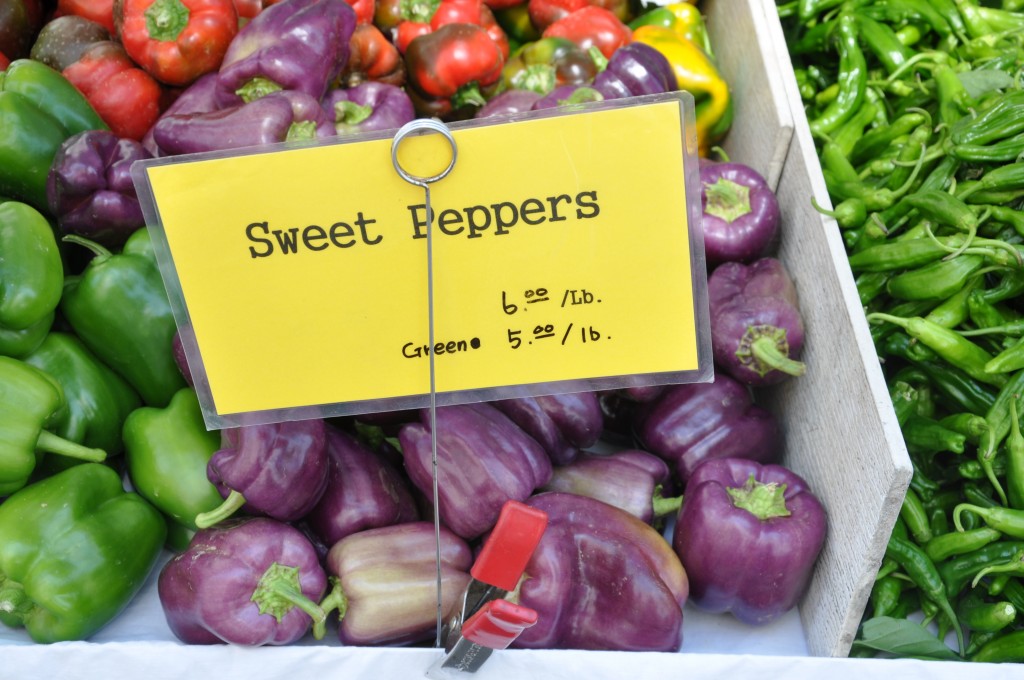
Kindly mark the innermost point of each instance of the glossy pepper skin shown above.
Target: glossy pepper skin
(364, 491)
(592, 26)
(199, 97)
(90, 189)
(689, 424)
(748, 535)
(31, 277)
(385, 583)
(119, 308)
(126, 97)
(63, 39)
(98, 399)
(635, 69)
(757, 331)
(368, 107)
(277, 469)
(299, 45)
(697, 74)
(252, 581)
(561, 423)
(372, 57)
(176, 41)
(167, 451)
(594, 565)
(632, 480)
(32, 403)
(422, 19)
(273, 118)
(450, 67)
(544, 64)
(74, 549)
(740, 213)
(39, 109)
(483, 458)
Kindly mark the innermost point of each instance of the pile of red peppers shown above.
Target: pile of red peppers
(317, 526)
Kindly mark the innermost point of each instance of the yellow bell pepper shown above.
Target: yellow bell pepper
(697, 74)
(683, 18)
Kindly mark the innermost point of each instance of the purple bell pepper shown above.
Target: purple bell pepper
(483, 460)
(253, 581)
(277, 117)
(363, 491)
(368, 107)
(567, 95)
(601, 579)
(299, 45)
(635, 69)
(633, 480)
(561, 423)
(199, 97)
(385, 583)
(757, 332)
(509, 102)
(692, 423)
(277, 469)
(749, 536)
(740, 213)
(90, 190)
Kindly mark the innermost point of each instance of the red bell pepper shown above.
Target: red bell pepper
(176, 41)
(4, 62)
(424, 18)
(448, 67)
(543, 13)
(364, 10)
(372, 57)
(126, 97)
(592, 26)
(100, 11)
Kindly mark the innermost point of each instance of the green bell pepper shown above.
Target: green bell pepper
(167, 451)
(98, 399)
(39, 109)
(31, 402)
(75, 548)
(31, 278)
(119, 308)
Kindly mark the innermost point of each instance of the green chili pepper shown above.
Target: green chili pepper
(953, 310)
(967, 394)
(881, 40)
(977, 26)
(31, 402)
(938, 522)
(1006, 520)
(1003, 119)
(852, 79)
(119, 308)
(915, 517)
(31, 276)
(999, 417)
(954, 100)
(74, 549)
(1010, 285)
(970, 425)
(925, 435)
(870, 285)
(1008, 648)
(1009, 360)
(1004, 151)
(944, 546)
(977, 614)
(1000, 19)
(903, 254)
(935, 281)
(885, 595)
(925, 576)
(958, 571)
(849, 134)
(904, 400)
(943, 208)
(1015, 460)
(167, 451)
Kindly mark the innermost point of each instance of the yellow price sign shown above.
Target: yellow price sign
(563, 255)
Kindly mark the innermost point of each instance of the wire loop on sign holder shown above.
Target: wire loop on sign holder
(419, 126)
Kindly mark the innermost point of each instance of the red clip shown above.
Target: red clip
(512, 541)
(498, 623)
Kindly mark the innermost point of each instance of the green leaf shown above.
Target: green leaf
(903, 638)
(980, 81)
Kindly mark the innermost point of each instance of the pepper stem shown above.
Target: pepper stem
(96, 248)
(51, 443)
(15, 603)
(764, 501)
(279, 591)
(662, 505)
(166, 19)
(335, 599)
(231, 504)
(727, 200)
(350, 113)
(256, 88)
(764, 348)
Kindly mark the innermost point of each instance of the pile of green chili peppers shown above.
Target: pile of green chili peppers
(917, 110)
